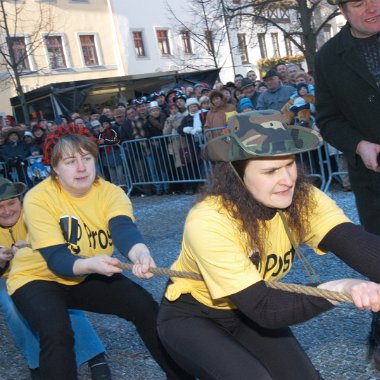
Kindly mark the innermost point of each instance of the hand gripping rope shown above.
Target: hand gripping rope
(301, 289)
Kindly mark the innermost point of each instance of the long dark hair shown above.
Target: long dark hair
(240, 204)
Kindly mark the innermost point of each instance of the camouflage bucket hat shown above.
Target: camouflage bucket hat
(9, 189)
(260, 134)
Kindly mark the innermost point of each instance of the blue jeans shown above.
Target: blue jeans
(87, 343)
(154, 174)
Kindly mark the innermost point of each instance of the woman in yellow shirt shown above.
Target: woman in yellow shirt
(75, 220)
(231, 325)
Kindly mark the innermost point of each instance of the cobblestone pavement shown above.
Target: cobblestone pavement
(336, 341)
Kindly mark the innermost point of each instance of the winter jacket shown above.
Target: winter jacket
(347, 98)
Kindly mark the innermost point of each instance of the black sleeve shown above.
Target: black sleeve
(124, 234)
(272, 308)
(59, 259)
(356, 247)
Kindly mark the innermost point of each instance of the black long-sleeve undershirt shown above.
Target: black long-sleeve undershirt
(124, 235)
(274, 308)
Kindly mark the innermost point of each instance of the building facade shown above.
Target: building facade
(90, 39)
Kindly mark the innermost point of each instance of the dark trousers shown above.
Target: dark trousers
(44, 304)
(366, 187)
(365, 184)
(216, 344)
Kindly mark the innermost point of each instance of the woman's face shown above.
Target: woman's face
(271, 181)
(13, 137)
(76, 173)
(217, 101)
(193, 108)
(252, 76)
(302, 91)
(38, 132)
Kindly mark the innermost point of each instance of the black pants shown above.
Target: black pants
(222, 344)
(365, 184)
(44, 304)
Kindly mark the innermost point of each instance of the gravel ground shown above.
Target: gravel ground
(336, 341)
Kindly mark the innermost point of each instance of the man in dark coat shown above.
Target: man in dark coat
(348, 108)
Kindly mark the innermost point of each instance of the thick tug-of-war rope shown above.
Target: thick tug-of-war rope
(302, 289)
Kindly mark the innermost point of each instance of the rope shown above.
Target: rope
(300, 289)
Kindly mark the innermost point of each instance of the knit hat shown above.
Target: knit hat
(180, 95)
(154, 105)
(9, 189)
(302, 85)
(35, 127)
(139, 101)
(244, 103)
(156, 94)
(191, 101)
(35, 148)
(95, 123)
(28, 134)
(270, 73)
(104, 119)
(58, 120)
(246, 82)
(52, 138)
(260, 134)
(203, 99)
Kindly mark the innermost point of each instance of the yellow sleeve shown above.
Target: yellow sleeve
(215, 243)
(327, 216)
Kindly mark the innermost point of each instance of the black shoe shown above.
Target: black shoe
(159, 192)
(99, 368)
(35, 373)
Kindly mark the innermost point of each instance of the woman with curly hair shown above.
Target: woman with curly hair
(243, 231)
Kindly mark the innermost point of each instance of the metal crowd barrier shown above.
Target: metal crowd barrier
(163, 160)
(331, 173)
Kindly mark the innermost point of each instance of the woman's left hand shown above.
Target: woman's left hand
(142, 261)
(365, 294)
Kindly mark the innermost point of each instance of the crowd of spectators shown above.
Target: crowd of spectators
(186, 111)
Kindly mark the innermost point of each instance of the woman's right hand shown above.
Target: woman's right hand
(365, 294)
(101, 264)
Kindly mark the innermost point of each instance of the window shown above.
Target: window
(209, 40)
(90, 55)
(262, 44)
(163, 42)
(289, 47)
(186, 42)
(242, 43)
(55, 51)
(139, 44)
(276, 46)
(18, 46)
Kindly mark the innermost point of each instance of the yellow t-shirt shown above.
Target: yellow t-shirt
(214, 246)
(8, 236)
(54, 217)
